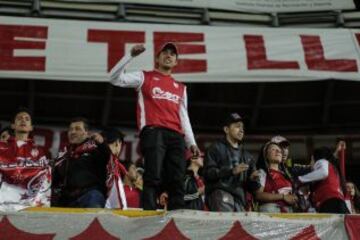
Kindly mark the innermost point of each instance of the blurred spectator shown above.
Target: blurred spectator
(275, 193)
(164, 124)
(353, 198)
(229, 169)
(139, 183)
(80, 170)
(5, 134)
(132, 192)
(328, 182)
(115, 170)
(194, 185)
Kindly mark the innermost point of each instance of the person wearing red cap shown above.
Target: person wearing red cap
(164, 123)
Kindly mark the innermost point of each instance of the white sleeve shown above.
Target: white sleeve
(262, 177)
(119, 78)
(185, 122)
(321, 171)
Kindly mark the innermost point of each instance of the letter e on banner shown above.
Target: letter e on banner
(9, 42)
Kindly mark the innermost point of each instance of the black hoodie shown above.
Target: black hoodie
(220, 159)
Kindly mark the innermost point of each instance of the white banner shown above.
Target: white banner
(79, 224)
(251, 5)
(86, 51)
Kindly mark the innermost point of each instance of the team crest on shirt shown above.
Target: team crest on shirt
(176, 85)
(156, 78)
(34, 153)
(158, 93)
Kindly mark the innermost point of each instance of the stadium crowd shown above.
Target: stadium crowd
(175, 174)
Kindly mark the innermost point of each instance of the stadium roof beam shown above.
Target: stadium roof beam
(36, 8)
(340, 22)
(121, 11)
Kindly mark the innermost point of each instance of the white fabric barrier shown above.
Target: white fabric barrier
(181, 224)
(49, 49)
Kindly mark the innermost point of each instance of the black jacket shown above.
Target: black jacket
(80, 168)
(220, 159)
(193, 200)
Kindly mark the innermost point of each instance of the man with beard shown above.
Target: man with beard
(229, 170)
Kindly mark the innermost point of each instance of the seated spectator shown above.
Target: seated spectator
(275, 193)
(132, 192)
(115, 170)
(285, 147)
(353, 198)
(25, 175)
(5, 134)
(295, 170)
(328, 183)
(194, 185)
(80, 170)
(229, 170)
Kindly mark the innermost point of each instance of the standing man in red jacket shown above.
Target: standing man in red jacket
(164, 123)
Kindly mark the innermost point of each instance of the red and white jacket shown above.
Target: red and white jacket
(20, 161)
(25, 176)
(275, 182)
(327, 182)
(161, 100)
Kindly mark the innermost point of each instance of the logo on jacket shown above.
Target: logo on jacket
(34, 153)
(158, 93)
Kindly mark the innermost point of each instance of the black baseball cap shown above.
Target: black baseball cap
(232, 118)
(112, 134)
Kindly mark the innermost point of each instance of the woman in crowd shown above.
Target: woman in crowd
(328, 184)
(275, 193)
(353, 196)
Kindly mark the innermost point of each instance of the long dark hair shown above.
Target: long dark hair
(263, 162)
(356, 199)
(327, 154)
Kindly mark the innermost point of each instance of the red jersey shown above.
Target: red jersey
(20, 161)
(132, 196)
(159, 100)
(328, 188)
(162, 101)
(275, 182)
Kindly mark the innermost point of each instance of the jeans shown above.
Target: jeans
(91, 199)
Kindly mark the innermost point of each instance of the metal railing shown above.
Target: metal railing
(113, 11)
